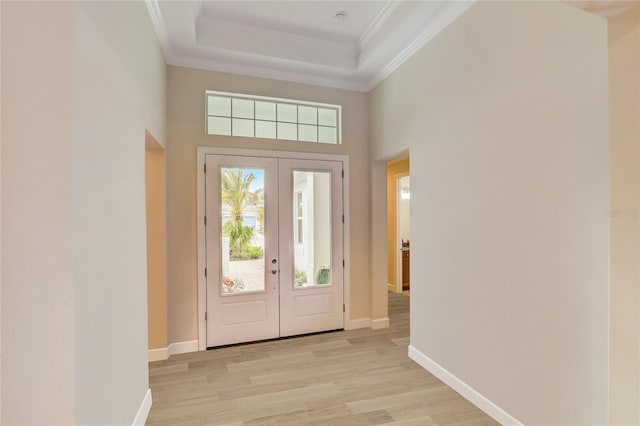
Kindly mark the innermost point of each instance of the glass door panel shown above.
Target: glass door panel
(311, 234)
(241, 231)
(311, 246)
(242, 224)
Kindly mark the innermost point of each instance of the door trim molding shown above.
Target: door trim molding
(202, 151)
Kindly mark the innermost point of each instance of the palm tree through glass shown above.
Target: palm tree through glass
(242, 203)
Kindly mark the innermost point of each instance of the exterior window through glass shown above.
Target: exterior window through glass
(312, 228)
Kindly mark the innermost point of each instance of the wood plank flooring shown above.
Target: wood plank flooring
(356, 377)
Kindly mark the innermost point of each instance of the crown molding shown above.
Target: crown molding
(158, 24)
(387, 10)
(263, 72)
(453, 11)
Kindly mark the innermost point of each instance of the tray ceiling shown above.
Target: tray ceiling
(300, 41)
(345, 44)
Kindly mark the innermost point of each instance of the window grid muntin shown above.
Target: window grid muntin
(231, 96)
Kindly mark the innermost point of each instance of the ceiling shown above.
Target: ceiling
(300, 40)
(304, 41)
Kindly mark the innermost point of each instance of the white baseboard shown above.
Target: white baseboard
(183, 347)
(358, 323)
(143, 411)
(472, 395)
(367, 323)
(158, 354)
(172, 349)
(379, 323)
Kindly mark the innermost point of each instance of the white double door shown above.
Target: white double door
(274, 247)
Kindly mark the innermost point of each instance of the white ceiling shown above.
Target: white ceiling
(302, 41)
(309, 18)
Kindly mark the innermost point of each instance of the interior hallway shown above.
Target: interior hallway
(356, 377)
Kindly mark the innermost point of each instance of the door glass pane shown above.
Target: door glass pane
(311, 212)
(242, 201)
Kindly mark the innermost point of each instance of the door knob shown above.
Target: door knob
(274, 271)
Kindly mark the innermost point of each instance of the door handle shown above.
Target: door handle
(274, 271)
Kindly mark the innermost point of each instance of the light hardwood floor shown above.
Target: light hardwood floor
(356, 377)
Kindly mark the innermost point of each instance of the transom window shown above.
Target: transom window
(232, 114)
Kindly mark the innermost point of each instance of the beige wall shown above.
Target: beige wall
(186, 131)
(624, 86)
(74, 249)
(506, 120)
(393, 168)
(156, 215)
(378, 233)
(37, 226)
(119, 78)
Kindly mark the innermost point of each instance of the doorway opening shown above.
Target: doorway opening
(398, 225)
(403, 196)
(156, 215)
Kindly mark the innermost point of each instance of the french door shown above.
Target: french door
(274, 247)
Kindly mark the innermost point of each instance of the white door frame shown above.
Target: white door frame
(202, 151)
